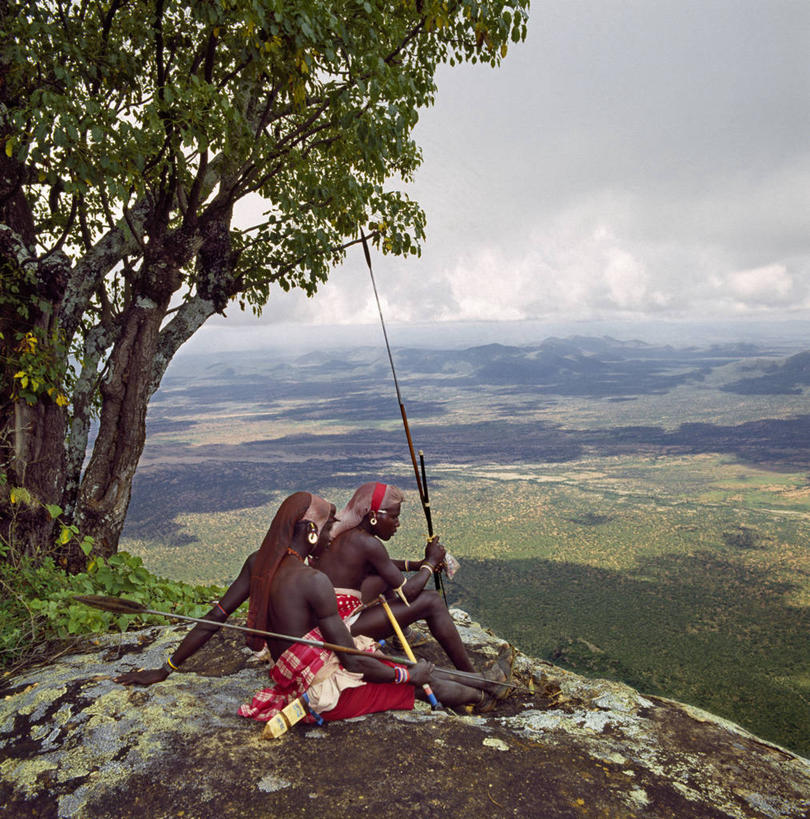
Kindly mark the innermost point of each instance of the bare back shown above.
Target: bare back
(355, 555)
(300, 599)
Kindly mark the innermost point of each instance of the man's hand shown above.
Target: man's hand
(420, 673)
(147, 677)
(434, 552)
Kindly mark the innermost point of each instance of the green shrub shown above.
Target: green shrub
(38, 606)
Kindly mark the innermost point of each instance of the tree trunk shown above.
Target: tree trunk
(32, 437)
(46, 461)
(36, 463)
(106, 486)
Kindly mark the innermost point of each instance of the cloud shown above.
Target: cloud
(762, 288)
(631, 159)
(771, 283)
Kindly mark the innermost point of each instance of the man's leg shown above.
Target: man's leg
(485, 691)
(429, 607)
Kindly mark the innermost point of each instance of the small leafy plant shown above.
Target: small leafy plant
(38, 608)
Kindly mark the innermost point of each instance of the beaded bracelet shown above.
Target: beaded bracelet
(401, 675)
(427, 566)
(169, 666)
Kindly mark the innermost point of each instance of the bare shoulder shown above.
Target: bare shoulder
(349, 540)
(319, 591)
(316, 583)
(358, 541)
(375, 552)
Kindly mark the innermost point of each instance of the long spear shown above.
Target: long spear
(420, 485)
(123, 605)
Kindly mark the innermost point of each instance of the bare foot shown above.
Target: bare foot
(499, 672)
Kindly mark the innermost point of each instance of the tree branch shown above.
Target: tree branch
(190, 316)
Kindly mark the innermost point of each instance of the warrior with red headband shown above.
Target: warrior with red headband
(289, 597)
(360, 567)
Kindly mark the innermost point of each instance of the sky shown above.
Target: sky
(634, 160)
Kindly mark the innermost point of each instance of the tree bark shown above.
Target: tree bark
(131, 379)
(32, 437)
(37, 464)
(38, 450)
(106, 486)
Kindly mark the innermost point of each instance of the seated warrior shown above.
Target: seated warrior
(360, 567)
(289, 597)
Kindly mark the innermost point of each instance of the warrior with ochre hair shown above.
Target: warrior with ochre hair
(359, 566)
(287, 596)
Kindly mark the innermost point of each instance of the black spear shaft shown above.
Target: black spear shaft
(425, 498)
(421, 480)
(396, 382)
(420, 485)
(438, 580)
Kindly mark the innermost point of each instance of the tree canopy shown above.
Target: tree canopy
(130, 132)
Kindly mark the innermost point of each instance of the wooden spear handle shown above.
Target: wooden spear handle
(434, 703)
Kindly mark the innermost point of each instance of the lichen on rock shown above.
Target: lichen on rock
(73, 743)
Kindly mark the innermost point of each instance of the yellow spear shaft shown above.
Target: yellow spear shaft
(434, 703)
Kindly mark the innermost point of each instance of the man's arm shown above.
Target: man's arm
(237, 593)
(387, 569)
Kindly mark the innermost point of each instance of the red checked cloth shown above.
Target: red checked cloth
(291, 676)
(307, 668)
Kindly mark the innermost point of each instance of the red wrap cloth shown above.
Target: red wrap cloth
(348, 601)
(295, 671)
(291, 675)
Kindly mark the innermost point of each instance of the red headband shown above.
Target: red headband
(377, 497)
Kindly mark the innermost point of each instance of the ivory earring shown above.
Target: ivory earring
(312, 536)
(372, 519)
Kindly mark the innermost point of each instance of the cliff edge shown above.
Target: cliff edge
(75, 744)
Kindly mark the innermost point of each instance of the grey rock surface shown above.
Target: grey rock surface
(73, 743)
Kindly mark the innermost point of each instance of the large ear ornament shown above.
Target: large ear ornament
(312, 535)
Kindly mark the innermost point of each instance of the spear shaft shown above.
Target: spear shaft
(122, 605)
(396, 382)
(420, 485)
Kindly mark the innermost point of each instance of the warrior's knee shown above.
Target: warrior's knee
(433, 602)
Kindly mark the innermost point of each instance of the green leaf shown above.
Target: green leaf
(53, 510)
(20, 495)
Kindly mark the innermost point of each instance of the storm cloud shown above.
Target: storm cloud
(632, 159)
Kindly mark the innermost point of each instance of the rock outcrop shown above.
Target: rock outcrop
(73, 743)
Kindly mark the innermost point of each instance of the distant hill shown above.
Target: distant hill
(786, 378)
(577, 366)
